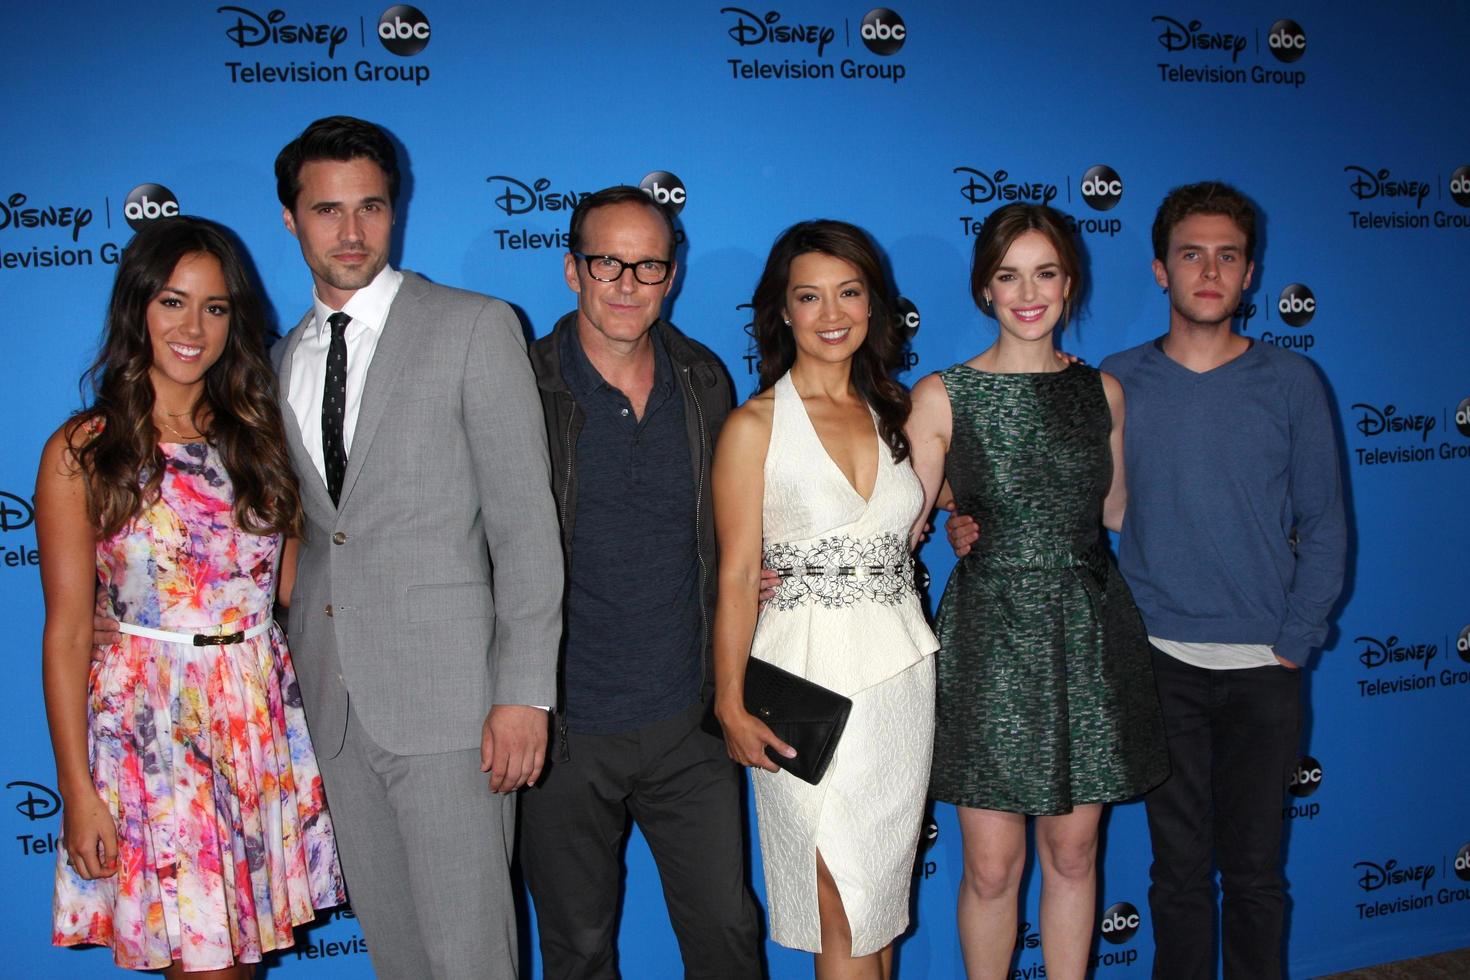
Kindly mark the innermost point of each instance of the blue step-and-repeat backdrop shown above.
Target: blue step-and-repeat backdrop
(1346, 121)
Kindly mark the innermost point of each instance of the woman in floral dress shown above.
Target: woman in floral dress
(194, 830)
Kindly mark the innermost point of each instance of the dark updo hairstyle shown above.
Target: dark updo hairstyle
(115, 441)
(881, 353)
(999, 232)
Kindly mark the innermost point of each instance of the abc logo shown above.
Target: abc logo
(1297, 305)
(907, 317)
(1119, 922)
(1306, 778)
(1462, 862)
(1462, 643)
(666, 189)
(883, 31)
(1102, 189)
(1287, 40)
(1460, 186)
(1462, 420)
(149, 202)
(404, 30)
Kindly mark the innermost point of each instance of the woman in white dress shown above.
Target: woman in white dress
(812, 479)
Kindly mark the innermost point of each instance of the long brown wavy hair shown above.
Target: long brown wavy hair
(115, 441)
(881, 353)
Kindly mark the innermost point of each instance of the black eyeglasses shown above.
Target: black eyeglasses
(608, 268)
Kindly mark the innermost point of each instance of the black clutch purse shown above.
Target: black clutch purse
(806, 716)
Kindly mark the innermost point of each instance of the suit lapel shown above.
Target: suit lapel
(314, 490)
(393, 350)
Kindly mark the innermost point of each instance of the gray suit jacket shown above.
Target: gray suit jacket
(398, 600)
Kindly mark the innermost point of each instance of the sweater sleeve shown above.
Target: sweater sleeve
(1318, 517)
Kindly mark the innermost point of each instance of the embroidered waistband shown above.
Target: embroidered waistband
(841, 571)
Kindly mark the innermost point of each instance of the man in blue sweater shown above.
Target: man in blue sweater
(1234, 545)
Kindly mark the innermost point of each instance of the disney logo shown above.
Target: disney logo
(1177, 36)
(1026, 937)
(14, 214)
(1377, 421)
(1376, 653)
(40, 801)
(1376, 876)
(752, 28)
(1368, 184)
(15, 512)
(981, 187)
(251, 29)
(518, 197)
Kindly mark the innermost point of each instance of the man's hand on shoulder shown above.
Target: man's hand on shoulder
(513, 746)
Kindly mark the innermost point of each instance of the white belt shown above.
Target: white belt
(198, 639)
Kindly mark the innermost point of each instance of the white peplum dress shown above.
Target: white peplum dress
(845, 616)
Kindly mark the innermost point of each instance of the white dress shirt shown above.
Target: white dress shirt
(368, 308)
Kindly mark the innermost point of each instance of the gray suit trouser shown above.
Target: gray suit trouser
(425, 848)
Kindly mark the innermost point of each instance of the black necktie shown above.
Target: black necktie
(334, 406)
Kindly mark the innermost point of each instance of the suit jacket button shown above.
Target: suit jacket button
(329, 609)
(339, 538)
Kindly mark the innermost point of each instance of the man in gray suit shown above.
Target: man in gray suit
(415, 427)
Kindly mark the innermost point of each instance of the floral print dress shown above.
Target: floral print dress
(200, 752)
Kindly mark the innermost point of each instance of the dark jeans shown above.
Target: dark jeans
(1233, 737)
(677, 782)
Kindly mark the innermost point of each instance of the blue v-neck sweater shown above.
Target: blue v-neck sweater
(1235, 531)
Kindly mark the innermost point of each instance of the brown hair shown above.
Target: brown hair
(1206, 197)
(999, 232)
(115, 441)
(881, 354)
(607, 197)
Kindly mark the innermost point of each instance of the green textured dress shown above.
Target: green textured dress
(1046, 698)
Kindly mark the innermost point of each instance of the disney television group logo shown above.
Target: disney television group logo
(402, 29)
(882, 31)
(1286, 40)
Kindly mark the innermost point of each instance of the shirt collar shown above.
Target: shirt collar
(582, 375)
(368, 307)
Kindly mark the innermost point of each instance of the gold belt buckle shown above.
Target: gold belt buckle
(220, 640)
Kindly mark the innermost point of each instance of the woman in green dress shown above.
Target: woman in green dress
(1046, 701)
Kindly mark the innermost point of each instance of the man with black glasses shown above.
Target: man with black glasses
(632, 410)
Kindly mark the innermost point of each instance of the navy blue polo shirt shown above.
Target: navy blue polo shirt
(634, 636)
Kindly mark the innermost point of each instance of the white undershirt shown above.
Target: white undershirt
(1218, 656)
(368, 308)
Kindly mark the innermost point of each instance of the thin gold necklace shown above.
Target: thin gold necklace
(181, 435)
